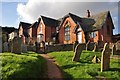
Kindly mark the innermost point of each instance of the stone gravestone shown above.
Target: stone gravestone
(9, 46)
(113, 49)
(16, 45)
(74, 45)
(87, 45)
(95, 47)
(117, 44)
(105, 59)
(77, 53)
(95, 59)
(42, 46)
(23, 47)
(5, 46)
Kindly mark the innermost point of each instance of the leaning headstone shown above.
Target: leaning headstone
(113, 49)
(87, 45)
(77, 53)
(23, 47)
(105, 59)
(95, 46)
(95, 59)
(5, 46)
(16, 45)
(74, 45)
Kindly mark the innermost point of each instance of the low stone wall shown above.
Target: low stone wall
(66, 47)
(31, 48)
(91, 46)
(59, 47)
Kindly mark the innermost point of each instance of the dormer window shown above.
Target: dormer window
(67, 31)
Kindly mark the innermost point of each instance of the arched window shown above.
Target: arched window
(67, 31)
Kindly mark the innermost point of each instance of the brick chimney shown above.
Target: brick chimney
(88, 13)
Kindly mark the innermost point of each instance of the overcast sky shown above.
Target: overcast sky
(30, 11)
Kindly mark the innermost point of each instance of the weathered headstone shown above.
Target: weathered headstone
(74, 45)
(9, 45)
(95, 59)
(87, 45)
(113, 49)
(77, 53)
(42, 46)
(23, 47)
(105, 59)
(5, 46)
(117, 44)
(16, 45)
(95, 47)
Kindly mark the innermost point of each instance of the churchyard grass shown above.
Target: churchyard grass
(22, 66)
(84, 68)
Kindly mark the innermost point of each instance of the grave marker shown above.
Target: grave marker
(77, 53)
(105, 59)
(5, 46)
(87, 45)
(74, 45)
(16, 45)
(95, 47)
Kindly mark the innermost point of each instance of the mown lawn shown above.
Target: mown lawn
(84, 68)
(25, 66)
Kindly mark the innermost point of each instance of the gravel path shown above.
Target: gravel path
(53, 70)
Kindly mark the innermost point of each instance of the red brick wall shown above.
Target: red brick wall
(46, 31)
(72, 35)
(103, 32)
(20, 31)
(43, 30)
(30, 32)
(103, 36)
(34, 34)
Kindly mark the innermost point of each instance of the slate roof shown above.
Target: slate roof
(25, 25)
(50, 22)
(92, 23)
(26, 34)
(74, 17)
(34, 25)
(85, 23)
(100, 19)
(8, 29)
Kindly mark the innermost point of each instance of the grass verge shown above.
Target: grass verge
(22, 66)
(84, 68)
